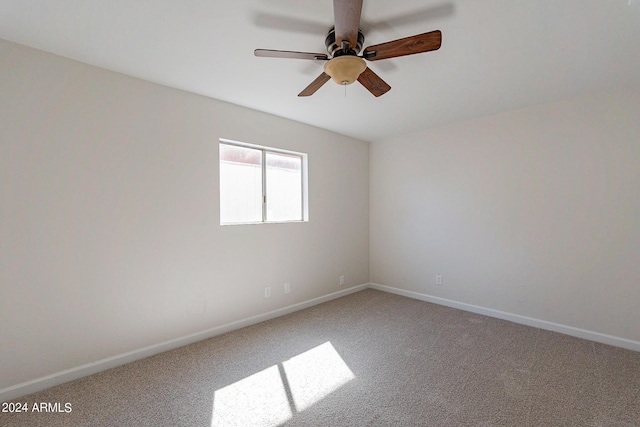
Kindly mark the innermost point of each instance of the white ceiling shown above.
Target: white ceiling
(496, 55)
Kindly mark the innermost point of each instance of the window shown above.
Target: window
(261, 184)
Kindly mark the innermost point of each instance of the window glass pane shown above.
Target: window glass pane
(284, 187)
(240, 184)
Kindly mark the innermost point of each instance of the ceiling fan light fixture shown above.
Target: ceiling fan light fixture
(345, 69)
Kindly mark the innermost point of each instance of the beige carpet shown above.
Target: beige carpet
(368, 359)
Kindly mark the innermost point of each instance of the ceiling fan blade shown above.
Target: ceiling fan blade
(373, 83)
(268, 53)
(346, 14)
(407, 46)
(315, 85)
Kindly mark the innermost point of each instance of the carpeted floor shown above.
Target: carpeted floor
(368, 359)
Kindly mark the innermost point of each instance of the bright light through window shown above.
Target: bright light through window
(261, 399)
(284, 187)
(260, 184)
(240, 184)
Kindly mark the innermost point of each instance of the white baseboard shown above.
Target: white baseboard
(516, 318)
(58, 378)
(42, 383)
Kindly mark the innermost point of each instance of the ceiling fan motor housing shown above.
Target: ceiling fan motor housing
(336, 49)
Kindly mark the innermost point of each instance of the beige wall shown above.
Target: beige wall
(534, 212)
(110, 238)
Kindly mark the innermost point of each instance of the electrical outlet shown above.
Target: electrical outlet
(287, 288)
(267, 292)
(438, 279)
(341, 280)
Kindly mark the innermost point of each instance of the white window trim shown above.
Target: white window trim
(264, 149)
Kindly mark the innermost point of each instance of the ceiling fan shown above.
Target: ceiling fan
(344, 42)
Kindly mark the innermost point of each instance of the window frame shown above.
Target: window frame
(264, 150)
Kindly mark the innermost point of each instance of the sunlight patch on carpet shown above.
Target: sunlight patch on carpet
(315, 374)
(262, 399)
(259, 399)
